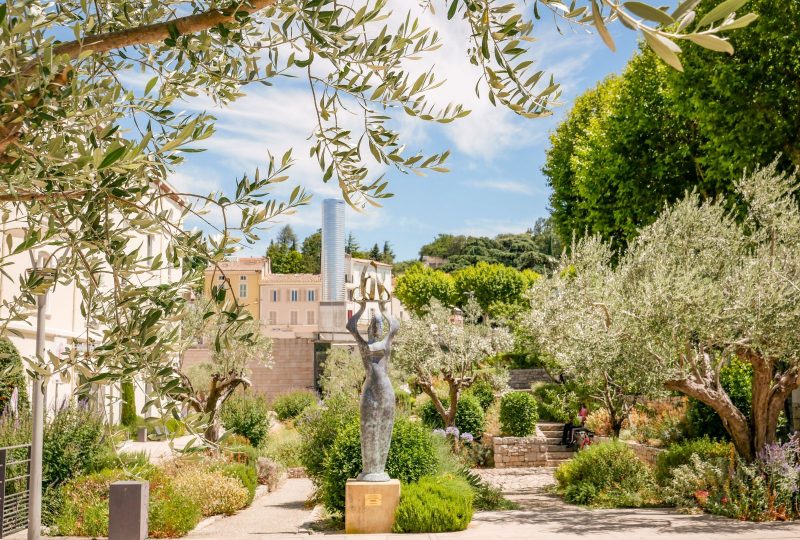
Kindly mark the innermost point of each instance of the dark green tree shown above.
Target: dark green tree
(351, 247)
(287, 238)
(12, 375)
(640, 140)
(285, 260)
(375, 253)
(312, 253)
(388, 254)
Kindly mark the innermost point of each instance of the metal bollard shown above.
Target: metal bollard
(127, 510)
(141, 434)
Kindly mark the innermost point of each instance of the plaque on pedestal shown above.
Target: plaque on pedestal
(370, 506)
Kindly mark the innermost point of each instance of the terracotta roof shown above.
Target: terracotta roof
(292, 278)
(242, 264)
(367, 261)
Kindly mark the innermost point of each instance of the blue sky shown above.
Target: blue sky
(495, 184)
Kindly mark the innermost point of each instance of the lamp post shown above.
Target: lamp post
(43, 279)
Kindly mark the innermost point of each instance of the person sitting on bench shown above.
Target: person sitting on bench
(567, 435)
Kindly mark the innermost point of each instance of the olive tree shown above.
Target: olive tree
(578, 322)
(91, 125)
(208, 385)
(441, 345)
(699, 286)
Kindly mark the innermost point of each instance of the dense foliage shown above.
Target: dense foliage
(518, 414)
(736, 378)
(247, 414)
(12, 375)
(411, 456)
(639, 140)
(681, 454)
(470, 417)
(292, 404)
(698, 286)
(434, 504)
(319, 427)
(537, 249)
(606, 475)
(74, 440)
(441, 346)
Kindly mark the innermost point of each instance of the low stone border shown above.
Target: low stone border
(648, 454)
(519, 452)
(296, 472)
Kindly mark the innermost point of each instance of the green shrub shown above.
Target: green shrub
(284, 446)
(556, 402)
(214, 492)
(128, 414)
(736, 378)
(483, 392)
(237, 448)
(246, 474)
(12, 375)
(681, 454)
(607, 474)
(518, 414)
(171, 514)
(469, 415)
(247, 414)
(73, 445)
(318, 428)
(84, 506)
(412, 455)
(487, 496)
(434, 504)
(292, 404)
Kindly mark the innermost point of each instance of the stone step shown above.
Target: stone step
(543, 425)
(560, 454)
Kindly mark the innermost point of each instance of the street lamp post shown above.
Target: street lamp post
(37, 437)
(42, 278)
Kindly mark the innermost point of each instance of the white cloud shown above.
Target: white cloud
(493, 227)
(507, 186)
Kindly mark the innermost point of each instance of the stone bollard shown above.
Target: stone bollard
(141, 434)
(127, 510)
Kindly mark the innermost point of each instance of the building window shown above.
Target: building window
(294, 295)
(273, 317)
(311, 295)
(242, 290)
(150, 240)
(310, 317)
(349, 314)
(242, 278)
(221, 277)
(275, 295)
(294, 317)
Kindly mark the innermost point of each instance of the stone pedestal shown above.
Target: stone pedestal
(370, 506)
(127, 510)
(141, 434)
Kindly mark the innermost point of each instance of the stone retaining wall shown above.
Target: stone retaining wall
(648, 454)
(519, 452)
(521, 379)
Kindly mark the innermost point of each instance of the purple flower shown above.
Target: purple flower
(439, 432)
(452, 430)
(467, 437)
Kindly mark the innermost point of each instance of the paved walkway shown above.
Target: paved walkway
(157, 450)
(280, 514)
(283, 515)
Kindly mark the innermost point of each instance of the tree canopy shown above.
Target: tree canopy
(640, 140)
(92, 124)
(537, 249)
(694, 288)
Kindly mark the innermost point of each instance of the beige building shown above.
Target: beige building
(290, 305)
(65, 327)
(242, 278)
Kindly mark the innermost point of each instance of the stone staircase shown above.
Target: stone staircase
(543, 449)
(556, 453)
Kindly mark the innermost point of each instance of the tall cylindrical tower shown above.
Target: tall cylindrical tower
(333, 269)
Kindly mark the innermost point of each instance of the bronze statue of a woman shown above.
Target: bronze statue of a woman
(377, 396)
